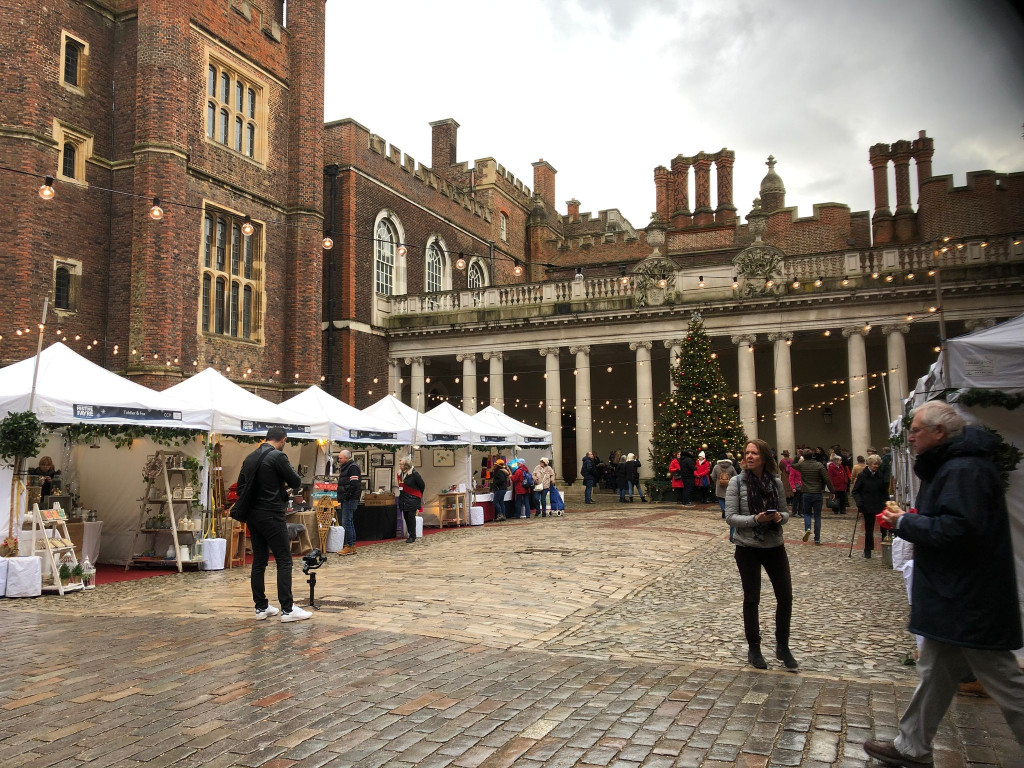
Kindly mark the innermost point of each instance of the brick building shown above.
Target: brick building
(214, 108)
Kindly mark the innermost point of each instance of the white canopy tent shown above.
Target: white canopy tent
(347, 424)
(237, 411)
(525, 434)
(428, 430)
(991, 359)
(73, 390)
(480, 431)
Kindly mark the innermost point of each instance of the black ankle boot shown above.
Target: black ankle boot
(755, 658)
(783, 654)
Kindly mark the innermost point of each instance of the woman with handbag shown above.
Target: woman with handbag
(752, 506)
(840, 478)
(702, 478)
(410, 495)
(499, 487)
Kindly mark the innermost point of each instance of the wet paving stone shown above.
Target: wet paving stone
(610, 637)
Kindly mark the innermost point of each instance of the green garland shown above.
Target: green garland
(991, 398)
(123, 435)
(1006, 457)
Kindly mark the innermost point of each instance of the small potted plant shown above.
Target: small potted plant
(64, 574)
(192, 465)
(76, 573)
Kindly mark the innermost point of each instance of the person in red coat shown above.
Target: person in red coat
(521, 493)
(702, 479)
(840, 477)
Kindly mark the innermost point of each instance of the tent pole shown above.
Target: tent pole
(39, 351)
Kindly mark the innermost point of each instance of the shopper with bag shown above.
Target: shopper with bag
(261, 505)
(702, 479)
(720, 477)
(870, 493)
(410, 496)
(350, 488)
(499, 487)
(840, 477)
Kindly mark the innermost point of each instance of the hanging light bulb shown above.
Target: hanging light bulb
(818, 282)
(889, 278)
(735, 282)
(769, 283)
(874, 275)
(663, 282)
(46, 191)
(846, 282)
(247, 227)
(402, 251)
(517, 270)
(796, 285)
(460, 263)
(700, 282)
(155, 211)
(328, 242)
(910, 276)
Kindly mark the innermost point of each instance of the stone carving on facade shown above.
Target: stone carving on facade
(492, 355)
(744, 339)
(635, 345)
(654, 281)
(585, 349)
(783, 336)
(759, 265)
(895, 328)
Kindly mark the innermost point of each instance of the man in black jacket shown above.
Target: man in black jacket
(268, 470)
(964, 595)
(590, 477)
(350, 488)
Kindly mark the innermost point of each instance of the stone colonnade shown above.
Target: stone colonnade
(857, 380)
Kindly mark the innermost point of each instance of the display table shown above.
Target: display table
(86, 538)
(485, 500)
(375, 522)
(452, 508)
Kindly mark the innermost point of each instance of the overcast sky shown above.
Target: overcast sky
(605, 90)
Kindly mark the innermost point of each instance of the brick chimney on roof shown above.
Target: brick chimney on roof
(544, 182)
(443, 144)
(574, 210)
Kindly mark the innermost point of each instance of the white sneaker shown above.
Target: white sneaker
(296, 614)
(268, 611)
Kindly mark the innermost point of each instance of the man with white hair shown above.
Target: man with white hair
(350, 488)
(964, 602)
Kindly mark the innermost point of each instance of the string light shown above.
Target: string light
(769, 283)
(155, 211)
(247, 227)
(460, 263)
(845, 282)
(796, 285)
(328, 242)
(910, 276)
(889, 278)
(517, 270)
(700, 282)
(46, 190)
(735, 283)
(402, 250)
(818, 282)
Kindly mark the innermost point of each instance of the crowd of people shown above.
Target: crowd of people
(533, 492)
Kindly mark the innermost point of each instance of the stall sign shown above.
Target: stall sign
(443, 438)
(263, 426)
(365, 434)
(534, 440)
(118, 412)
(492, 439)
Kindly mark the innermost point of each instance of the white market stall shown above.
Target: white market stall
(980, 374)
(73, 390)
(435, 442)
(531, 442)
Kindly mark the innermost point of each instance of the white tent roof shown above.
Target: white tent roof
(71, 389)
(525, 434)
(992, 358)
(483, 432)
(237, 411)
(348, 424)
(429, 429)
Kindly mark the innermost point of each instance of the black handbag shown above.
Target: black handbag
(240, 509)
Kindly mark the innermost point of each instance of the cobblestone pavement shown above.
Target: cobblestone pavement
(610, 637)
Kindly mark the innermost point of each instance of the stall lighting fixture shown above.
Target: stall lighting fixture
(46, 191)
(155, 211)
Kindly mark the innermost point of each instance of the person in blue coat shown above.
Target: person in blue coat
(964, 594)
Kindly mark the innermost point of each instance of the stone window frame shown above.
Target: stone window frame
(399, 268)
(242, 275)
(503, 226)
(478, 263)
(83, 61)
(81, 141)
(244, 114)
(73, 267)
(435, 242)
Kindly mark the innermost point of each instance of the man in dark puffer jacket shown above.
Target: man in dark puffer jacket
(964, 594)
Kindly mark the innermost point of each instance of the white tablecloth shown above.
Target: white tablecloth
(90, 540)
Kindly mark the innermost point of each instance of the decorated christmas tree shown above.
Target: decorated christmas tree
(701, 412)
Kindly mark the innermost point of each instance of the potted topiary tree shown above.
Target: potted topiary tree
(21, 435)
(77, 573)
(64, 574)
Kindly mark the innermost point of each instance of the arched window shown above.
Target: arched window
(384, 258)
(477, 276)
(231, 265)
(68, 168)
(218, 316)
(435, 268)
(62, 288)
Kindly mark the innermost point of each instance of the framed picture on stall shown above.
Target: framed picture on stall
(444, 458)
(359, 457)
(375, 459)
(384, 478)
(417, 457)
(388, 459)
(365, 484)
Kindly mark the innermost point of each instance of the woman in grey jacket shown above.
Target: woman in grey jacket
(755, 505)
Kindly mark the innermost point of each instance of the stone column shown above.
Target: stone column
(584, 417)
(468, 382)
(785, 431)
(675, 349)
(496, 379)
(395, 377)
(553, 405)
(644, 406)
(896, 379)
(417, 392)
(857, 379)
(748, 385)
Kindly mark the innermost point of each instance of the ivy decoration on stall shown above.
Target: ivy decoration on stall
(990, 398)
(123, 435)
(1006, 457)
